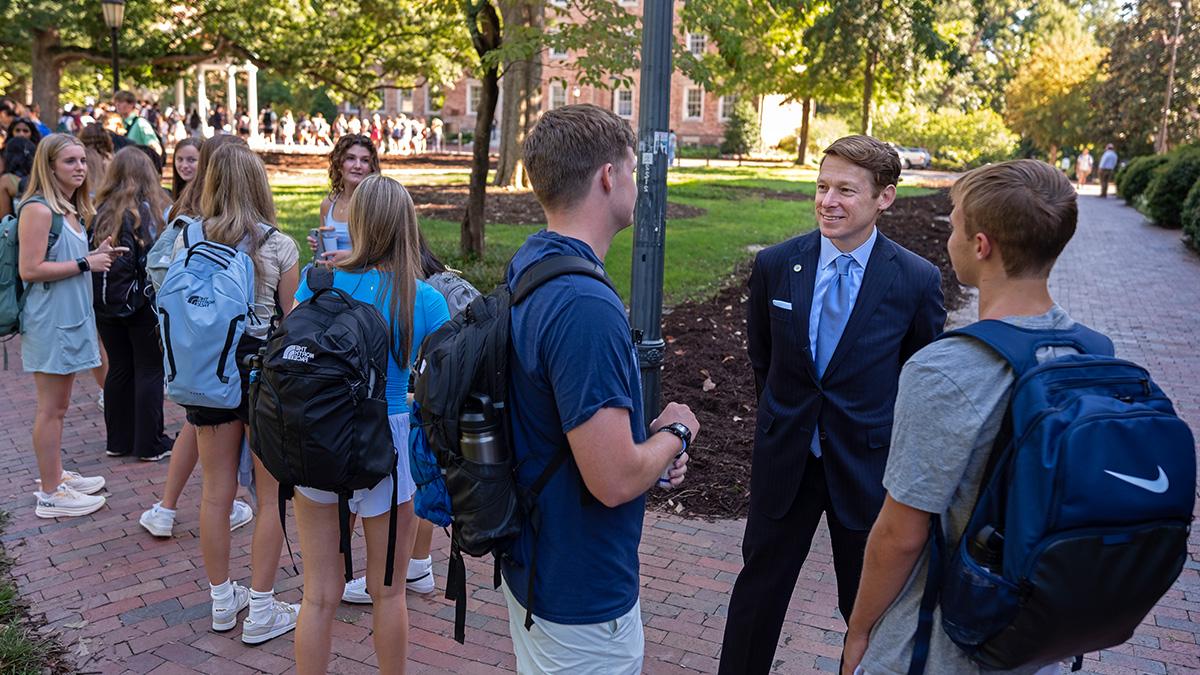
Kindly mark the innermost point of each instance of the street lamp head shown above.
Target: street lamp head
(114, 12)
(1176, 5)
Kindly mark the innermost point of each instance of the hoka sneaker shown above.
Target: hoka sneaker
(65, 502)
(158, 521)
(88, 485)
(240, 515)
(283, 619)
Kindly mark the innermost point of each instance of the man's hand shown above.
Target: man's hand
(853, 650)
(677, 412)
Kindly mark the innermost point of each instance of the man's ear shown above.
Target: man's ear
(984, 247)
(606, 177)
(886, 197)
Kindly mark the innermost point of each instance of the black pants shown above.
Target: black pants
(1105, 176)
(774, 551)
(133, 390)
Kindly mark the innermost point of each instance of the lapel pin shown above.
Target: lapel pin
(797, 268)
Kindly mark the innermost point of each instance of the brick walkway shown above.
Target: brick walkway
(123, 601)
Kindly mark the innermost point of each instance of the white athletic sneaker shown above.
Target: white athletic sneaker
(225, 617)
(158, 521)
(283, 619)
(240, 515)
(100, 401)
(356, 592)
(66, 501)
(420, 576)
(88, 485)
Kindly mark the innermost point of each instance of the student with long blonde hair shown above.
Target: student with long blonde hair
(238, 212)
(159, 519)
(384, 269)
(130, 212)
(58, 325)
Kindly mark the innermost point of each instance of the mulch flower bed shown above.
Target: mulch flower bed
(706, 367)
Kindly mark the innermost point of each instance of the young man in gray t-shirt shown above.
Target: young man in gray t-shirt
(1011, 221)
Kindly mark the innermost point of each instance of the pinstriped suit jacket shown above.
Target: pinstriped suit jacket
(898, 311)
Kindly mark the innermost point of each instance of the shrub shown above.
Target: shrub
(787, 144)
(1170, 185)
(956, 139)
(1133, 179)
(1191, 217)
(741, 133)
(823, 131)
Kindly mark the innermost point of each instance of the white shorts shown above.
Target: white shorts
(377, 501)
(614, 647)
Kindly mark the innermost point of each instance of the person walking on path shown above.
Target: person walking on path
(832, 316)
(1010, 223)
(575, 389)
(131, 208)
(58, 325)
(383, 269)
(159, 519)
(138, 129)
(238, 211)
(1083, 167)
(1108, 165)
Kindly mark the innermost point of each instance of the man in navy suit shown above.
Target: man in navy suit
(833, 315)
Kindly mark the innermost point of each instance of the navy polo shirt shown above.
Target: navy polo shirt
(571, 355)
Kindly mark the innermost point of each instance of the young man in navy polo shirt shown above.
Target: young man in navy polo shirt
(575, 387)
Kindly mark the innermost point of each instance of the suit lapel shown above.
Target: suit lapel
(801, 287)
(877, 279)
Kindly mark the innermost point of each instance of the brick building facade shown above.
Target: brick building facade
(697, 116)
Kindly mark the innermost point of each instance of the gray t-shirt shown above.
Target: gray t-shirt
(951, 401)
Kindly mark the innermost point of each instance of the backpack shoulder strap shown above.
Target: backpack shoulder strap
(193, 233)
(318, 277)
(556, 266)
(1019, 346)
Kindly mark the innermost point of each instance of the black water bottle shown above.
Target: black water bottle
(479, 432)
(987, 548)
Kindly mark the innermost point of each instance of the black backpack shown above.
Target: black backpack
(124, 289)
(466, 360)
(318, 410)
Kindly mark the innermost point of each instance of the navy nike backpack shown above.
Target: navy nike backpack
(1082, 519)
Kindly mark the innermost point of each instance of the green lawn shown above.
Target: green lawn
(700, 253)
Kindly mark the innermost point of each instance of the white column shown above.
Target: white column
(231, 104)
(180, 101)
(202, 101)
(252, 100)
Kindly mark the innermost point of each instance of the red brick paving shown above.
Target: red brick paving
(122, 601)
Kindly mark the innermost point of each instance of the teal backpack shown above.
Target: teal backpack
(12, 291)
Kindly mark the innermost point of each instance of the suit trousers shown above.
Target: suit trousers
(774, 551)
(133, 389)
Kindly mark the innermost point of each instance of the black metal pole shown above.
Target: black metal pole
(650, 215)
(116, 64)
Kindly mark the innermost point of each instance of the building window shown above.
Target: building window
(623, 102)
(559, 3)
(627, 3)
(558, 95)
(435, 98)
(556, 52)
(697, 43)
(474, 98)
(693, 103)
(725, 107)
(404, 101)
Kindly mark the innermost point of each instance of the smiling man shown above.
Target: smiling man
(833, 315)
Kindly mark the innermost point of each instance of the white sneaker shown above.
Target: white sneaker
(100, 401)
(225, 617)
(158, 521)
(356, 592)
(420, 576)
(88, 485)
(240, 515)
(283, 619)
(65, 502)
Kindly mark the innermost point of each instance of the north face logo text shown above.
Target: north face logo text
(297, 353)
(199, 301)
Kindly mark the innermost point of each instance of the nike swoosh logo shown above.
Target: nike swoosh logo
(1157, 486)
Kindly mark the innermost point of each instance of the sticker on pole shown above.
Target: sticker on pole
(647, 158)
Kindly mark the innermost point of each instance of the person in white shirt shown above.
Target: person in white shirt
(1083, 167)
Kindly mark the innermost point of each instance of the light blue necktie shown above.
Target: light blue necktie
(835, 312)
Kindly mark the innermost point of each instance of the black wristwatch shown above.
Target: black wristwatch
(679, 430)
(84, 265)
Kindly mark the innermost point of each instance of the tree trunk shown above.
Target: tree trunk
(46, 71)
(484, 23)
(802, 142)
(522, 82)
(868, 91)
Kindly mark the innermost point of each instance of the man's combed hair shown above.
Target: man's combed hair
(567, 146)
(1025, 206)
(871, 154)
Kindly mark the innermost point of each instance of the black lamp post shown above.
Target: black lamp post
(114, 16)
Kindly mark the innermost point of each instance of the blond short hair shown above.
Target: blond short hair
(567, 146)
(1025, 206)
